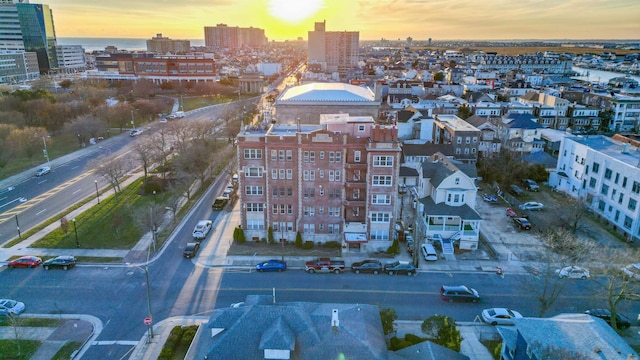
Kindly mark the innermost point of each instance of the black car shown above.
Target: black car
(62, 262)
(522, 223)
(516, 190)
(621, 321)
(367, 266)
(459, 293)
(191, 249)
(400, 268)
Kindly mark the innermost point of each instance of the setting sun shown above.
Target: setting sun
(293, 11)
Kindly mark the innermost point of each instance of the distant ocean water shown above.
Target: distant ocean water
(92, 44)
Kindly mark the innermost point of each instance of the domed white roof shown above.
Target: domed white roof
(327, 92)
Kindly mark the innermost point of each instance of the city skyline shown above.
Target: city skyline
(392, 20)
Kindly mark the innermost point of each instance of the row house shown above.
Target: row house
(584, 118)
(519, 133)
(525, 63)
(450, 129)
(626, 113)
(333, 181)
(489, 144)
(552, 111)
(604, 173)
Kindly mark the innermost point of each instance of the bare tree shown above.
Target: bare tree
(145, 152)
(150, 217)
(572, 214)
(84, 128)
(113, 168)
(545, 285)
(161, 143)
(182, 133)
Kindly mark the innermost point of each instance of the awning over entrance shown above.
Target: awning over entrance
(355, 237)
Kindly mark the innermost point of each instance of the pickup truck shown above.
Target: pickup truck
(324, 265)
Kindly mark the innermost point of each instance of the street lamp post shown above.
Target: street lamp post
(97, 193)
(75, 229)
(18, 226)
(133, 125)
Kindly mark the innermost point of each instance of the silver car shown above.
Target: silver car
(11, 307)
(500, 316)
(632, 271)
(573, 272)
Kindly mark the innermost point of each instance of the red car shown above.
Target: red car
(25, 261)
(511, 213)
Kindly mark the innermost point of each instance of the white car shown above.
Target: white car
(531, 205)
(135, 132)
(573, 272)
(12, 307)
(202, 229)
(632, 271)
(500, 316)
(43, 171)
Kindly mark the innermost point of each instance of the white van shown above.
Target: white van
(429, 252)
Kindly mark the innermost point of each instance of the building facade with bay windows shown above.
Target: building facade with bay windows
(333, 181)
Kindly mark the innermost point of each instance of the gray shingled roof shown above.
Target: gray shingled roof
(306, 326)
(427, 350)
(427, 149)
(521, 121)
(577, 333)
(442, 209)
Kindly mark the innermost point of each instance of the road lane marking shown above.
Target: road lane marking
(77, 191)
(41, 211)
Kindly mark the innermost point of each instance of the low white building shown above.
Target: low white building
(605, 174)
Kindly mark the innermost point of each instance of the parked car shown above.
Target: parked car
(459, 293)
(429, 252)
(573, 272)
(522, 223)
(500, 316)
(511, 213)
(367, 266)
(272, 265)
(8, 306)
(531, 185)
(622, 321)
(219, 203)
(202, 229)
(135, 132)
(632, 271)
(531, 205)
(63, 262)
(25, 261)
(398, 267)
(516, 190)
(191, 249)
(43, 171)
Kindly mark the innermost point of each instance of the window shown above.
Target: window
(305, 175)
(305, 211)
(380, 217)
(274, 209)
(337, 174)
(289, 174)
(253, 153)
(331, 175)
(334, 211)
(305, 156)
(475, 139)
(289, 209)
(617, 178)
(289, 192)
(281, 173)
(592, 183)
(467, 140)
(356, 156)
(383, 161)
(379, 235)
(255, 207)
(620, 198)
(333, 228)
(624, 182)
(312, 175)
(274, 174)
(281, 155)
(332, 156)
(312, 156)
(607, 173)
(321, 209)
(356, 194)
(338, 156)
(308, 228)
(459, 139)
(282, 191)
(274, 155)
(632, 204)
(361, 128)
(382, 180)
(458, 151)
(356, 211)
(321, 155)
(255, 225)
(595, 167)
(309, 193)
(253, 190)
(253, 172)
(635, 188)
(289, 155)
(321, 227)
(321, 191)
(604, 190)
(627, 222)
(382, 199)
(457, 181)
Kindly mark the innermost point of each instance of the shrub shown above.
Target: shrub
(393, 343)
(263, 240)
(332, 245)
(442, 330)
(298, 240)
(166, 353)
(388, 316)
(188, 334)
(394, 249)
(414, 339)
(308, 245)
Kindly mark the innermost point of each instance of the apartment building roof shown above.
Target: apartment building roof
(620, 151)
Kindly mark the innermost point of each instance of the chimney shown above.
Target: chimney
(335, 323)
(625, 148)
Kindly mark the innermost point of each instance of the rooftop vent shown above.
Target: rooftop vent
(625, 148)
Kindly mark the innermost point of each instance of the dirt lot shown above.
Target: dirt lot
(527, 245)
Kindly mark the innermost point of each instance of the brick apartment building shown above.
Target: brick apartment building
(333, 181)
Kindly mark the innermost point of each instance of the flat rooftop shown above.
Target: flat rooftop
(611, 148)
